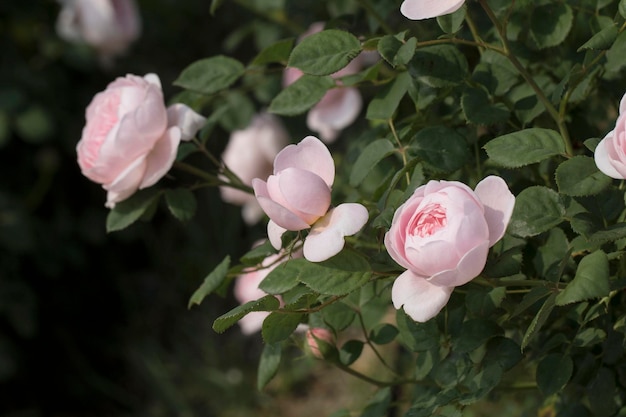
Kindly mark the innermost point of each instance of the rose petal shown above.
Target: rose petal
(279, 214)
(337, 110)
(421, 300)
(309, 155)
(161, 158)
(186, 119)
(326, 238)
(426, 9)
(498, 202)
(126, 183)
(468, 268)
(275, 234)
(603, 160)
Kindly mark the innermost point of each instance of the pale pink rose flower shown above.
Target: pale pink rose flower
(109, 26)
(442, 235)
(426, 9)
(339, 107)
(314, 336)
(130, 138)
(610, 154)
(297, 197)
(250, 154)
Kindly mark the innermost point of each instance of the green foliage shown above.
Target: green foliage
(210, 283)
(525, 147)
(301, 95)
(132, 209)
(325, 53)
(210, 75)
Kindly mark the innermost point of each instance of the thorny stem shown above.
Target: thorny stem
(506, 51)
(400, 148)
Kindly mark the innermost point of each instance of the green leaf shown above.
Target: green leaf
(130, 210)
(268, 364)
(418, 337)
(613, 232)
(591, 280)
(275, 53)
(325, 52)
(388, 47)
(379, 404)
(350, 352)
(553, 373)
(439, 66)
(211, 282)
(451, 23)
(525, 147)
(383, 333)
(258, 254)
(338, 316)
(278, 326)
(181, 202)
(301, 95)
(615, 55)
(601, 392)
(479, 109)
(537, 210)
(622, 8)
(386, 101)
(441, 147)
(602, 40)
(223, 322)
(340, 275)
(550, 24)
(474, 333)
(406, 52)
(579, 176)
(539, 320)
(533, 296)
(210, 75)
(369, 158)
(282, 278)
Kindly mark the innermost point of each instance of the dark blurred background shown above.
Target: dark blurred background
(96, 324)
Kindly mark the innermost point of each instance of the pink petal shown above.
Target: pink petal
(161, 158)
(421, 300)
(279, 214)
(275, 234)
(337, 110)
(603, 161)
(468, 268)
(126, 183)
(622, 105)
(498, 202)
(186, 119)
(326, 238)
(425, 9)
(309, 155)
(302, 192)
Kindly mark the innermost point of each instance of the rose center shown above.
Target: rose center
(429, 220)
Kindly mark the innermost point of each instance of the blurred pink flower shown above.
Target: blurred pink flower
(426, 9)
(297, 197)
(442, 235)
(250, 154)
(610, 154)
(109, 26)
(339, 107)
(130, 139)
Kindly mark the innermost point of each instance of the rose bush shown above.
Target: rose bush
(109, 26)
(297, 197)
(426, 9)
(442, 235)
(250, 154)
(130, 138)
(610, 154)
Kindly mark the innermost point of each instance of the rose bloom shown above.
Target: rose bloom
(130, 139)
(610, 154)
(339, 107)
(314, 335)
(109, 26)
(442, 235)
(297, 197)
(250, 154)
(426, 9)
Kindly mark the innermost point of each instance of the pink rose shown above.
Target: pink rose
(130, 139)
(314, 336)
(297, 197)
(109, 26)
(250, 154)
(610, 154)
(425, 9)
(339, 107)
(442, 235)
